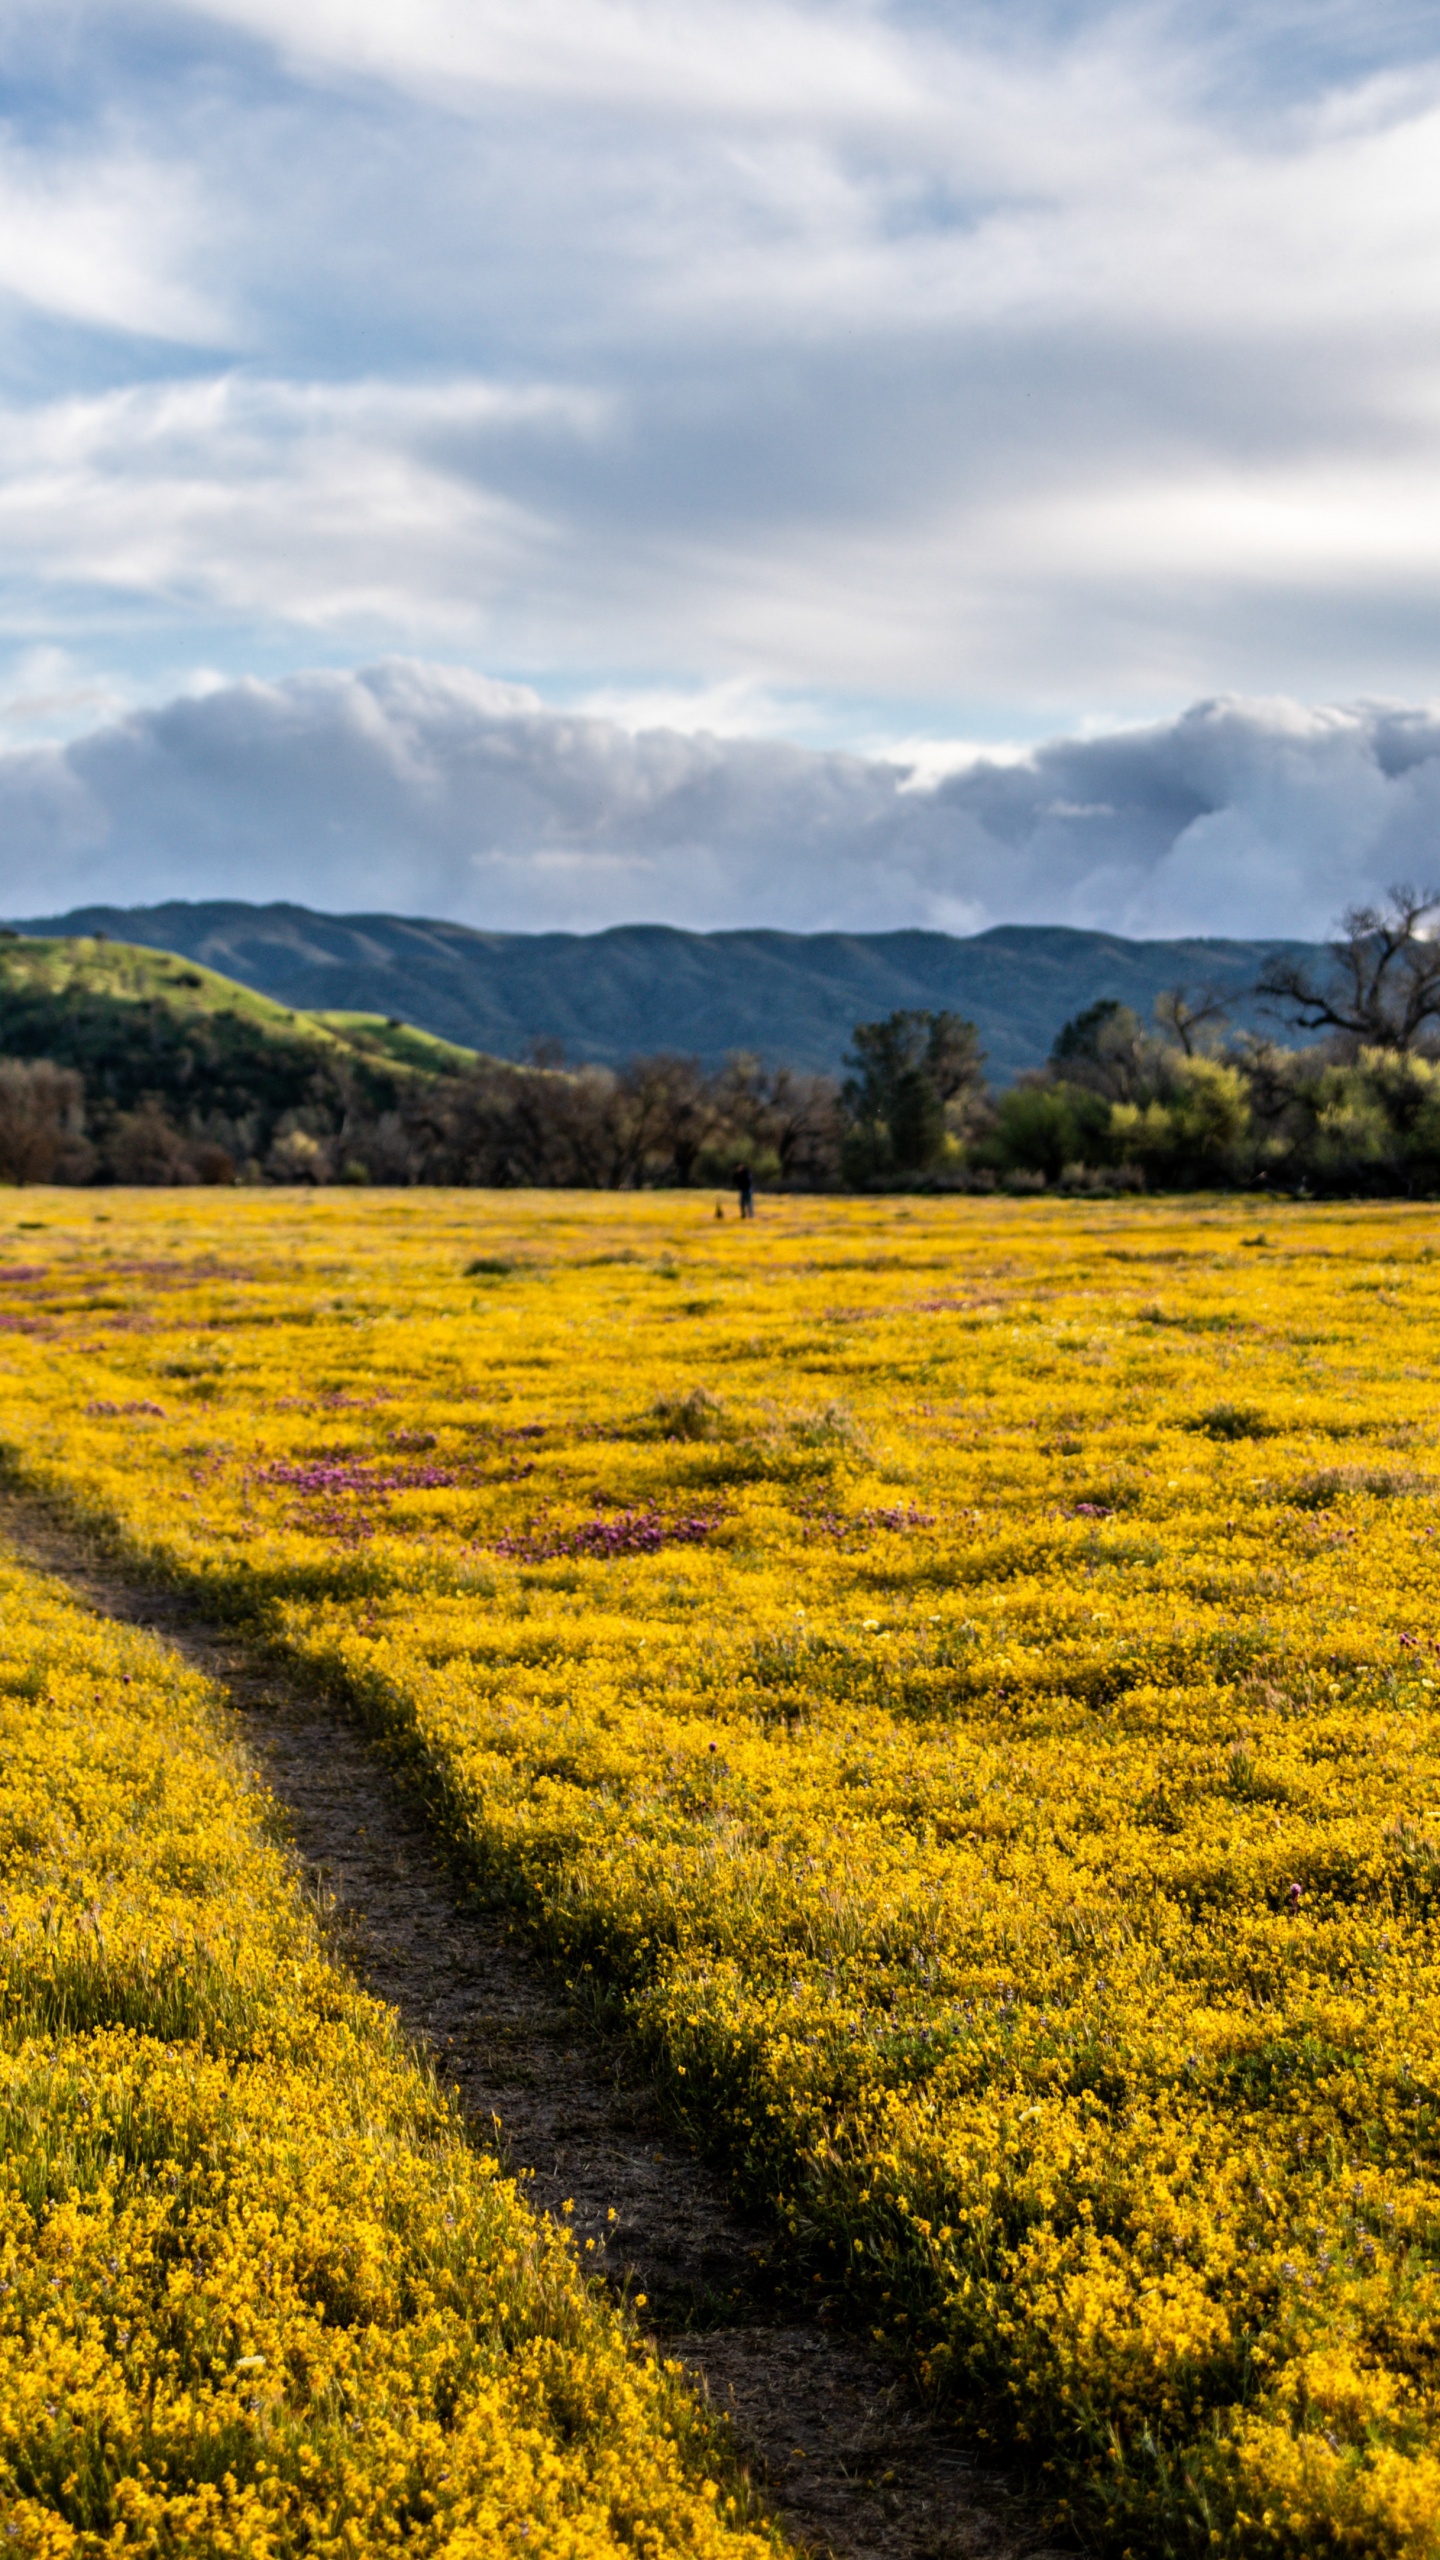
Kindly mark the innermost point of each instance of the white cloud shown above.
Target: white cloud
(710, 57)
(510, 521)
(738, 707)
(433, 790)
(114, 238)
(318, 504)
(949, 370)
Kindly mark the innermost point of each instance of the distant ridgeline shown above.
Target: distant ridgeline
(791, 998)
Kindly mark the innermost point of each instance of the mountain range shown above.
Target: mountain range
(792, 998)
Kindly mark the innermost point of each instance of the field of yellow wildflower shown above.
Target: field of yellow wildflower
(959, 1677)
(257, 2295)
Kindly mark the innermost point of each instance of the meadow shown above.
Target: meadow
(258, 2294)
(955, 1679)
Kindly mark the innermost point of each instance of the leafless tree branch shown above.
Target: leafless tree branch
(1383, 991)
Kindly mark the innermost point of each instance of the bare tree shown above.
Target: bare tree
(42, 1123)
(663, 1113)
(521, 1125)
(145, 1146)
(1184, 1012)
(780, 1112)
(1384, 989)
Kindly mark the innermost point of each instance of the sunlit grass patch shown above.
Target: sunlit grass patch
(259, 2293)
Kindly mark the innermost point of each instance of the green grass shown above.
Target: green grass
(381, 1035)
(33, 973)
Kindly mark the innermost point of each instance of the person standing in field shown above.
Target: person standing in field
(746, 1189)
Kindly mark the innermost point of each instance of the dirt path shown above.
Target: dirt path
(848, 2463)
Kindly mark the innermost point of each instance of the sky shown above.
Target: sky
(721, 461)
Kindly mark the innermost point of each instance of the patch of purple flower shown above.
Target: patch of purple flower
(628, 1533)
(1091, 1511)
(350, 1475)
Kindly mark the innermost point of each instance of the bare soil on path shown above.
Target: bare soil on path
(838, 2450)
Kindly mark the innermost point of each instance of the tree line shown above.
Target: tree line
(658, 1120)
(1119, 1105)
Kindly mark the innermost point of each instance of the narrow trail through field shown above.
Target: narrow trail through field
(848, 2463)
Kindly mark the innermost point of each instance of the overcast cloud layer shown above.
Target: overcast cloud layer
(429, 791)
(870, 370)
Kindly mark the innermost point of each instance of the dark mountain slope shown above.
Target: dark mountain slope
(790, 997)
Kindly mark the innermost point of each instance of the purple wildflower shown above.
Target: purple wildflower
(350, 1475)
(629, 1533)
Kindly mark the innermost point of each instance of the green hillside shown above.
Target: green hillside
(146, 1030)
(380, 1035)
(91, 978)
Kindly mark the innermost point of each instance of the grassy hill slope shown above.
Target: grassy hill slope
(791, 997)
(220, 1059)
(378, 1035)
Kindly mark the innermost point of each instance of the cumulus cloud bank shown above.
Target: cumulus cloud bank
(431, 790)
